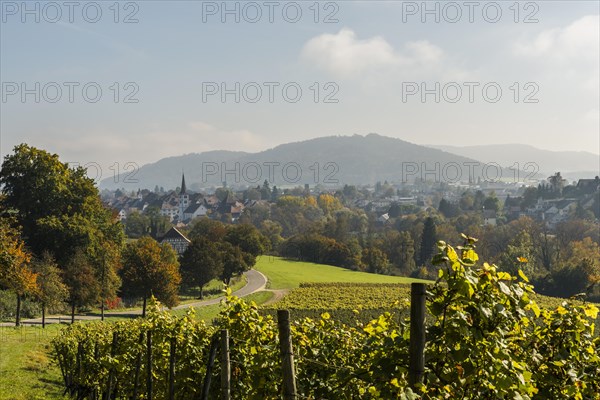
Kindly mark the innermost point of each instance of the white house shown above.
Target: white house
(195, 210)
(489, 217)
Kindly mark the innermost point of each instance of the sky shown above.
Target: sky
(112, 83)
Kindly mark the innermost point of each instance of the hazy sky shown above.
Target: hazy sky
(375, 58)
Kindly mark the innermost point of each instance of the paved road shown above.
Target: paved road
(256, 282)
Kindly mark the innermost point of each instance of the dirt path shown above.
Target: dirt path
(277, 295)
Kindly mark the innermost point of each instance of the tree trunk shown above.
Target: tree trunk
(144, 309)
(18, 315)
(43, 315)
(73, 313)
(102, 310)
(202, 292)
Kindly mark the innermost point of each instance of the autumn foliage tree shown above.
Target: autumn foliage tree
(15, 272)
(60, 212)
(150, 269)
(51, 290)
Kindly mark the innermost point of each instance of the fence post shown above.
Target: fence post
(211, 362)
(287, 355)
(149, 365)
(172, 368)
(225, 366)
(416, 360)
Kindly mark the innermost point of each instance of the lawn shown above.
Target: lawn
(286, 274)
(26, 369)
(208, 313)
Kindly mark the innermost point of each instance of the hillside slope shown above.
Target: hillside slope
(329, 160)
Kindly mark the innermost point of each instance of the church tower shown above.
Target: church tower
(184, 198)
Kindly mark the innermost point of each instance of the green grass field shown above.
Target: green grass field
(285, 274)
(26, 369)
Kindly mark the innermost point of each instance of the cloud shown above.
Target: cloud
(567, 56)
(575, 42)
(150, 145)
(345, 55)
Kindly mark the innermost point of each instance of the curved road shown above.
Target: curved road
(256, 282)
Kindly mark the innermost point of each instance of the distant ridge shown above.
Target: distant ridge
(353, 159)
(571, 164)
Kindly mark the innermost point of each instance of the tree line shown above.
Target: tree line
(60, 244)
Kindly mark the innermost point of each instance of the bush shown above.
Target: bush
(8, 307)
(318, 249)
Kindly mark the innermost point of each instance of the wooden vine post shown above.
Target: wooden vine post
(287, 355)
(416, 359)
(225, 366)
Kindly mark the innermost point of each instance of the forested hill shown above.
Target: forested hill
(346, 159)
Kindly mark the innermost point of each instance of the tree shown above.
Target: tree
(159, 224)
(250, 242)
(428, 241)
(395, 210)
(530, 197)
(265, 191)
(585, 259)
(107, 264)
(491, 203)
(137, 225)
(209, 229)
(58, 207)
(274, 194)
(150, 269)
(478, 200)
(61, 212)
(15, 272)
(272, 231)
(519, 255)
(557, 182)
(375, 260)
(449, 210)
(232, 259)
(252, 194)
(581, 271)
(51, 290)
(466, 202)
(328, 203)
(350, 192)
(201, 263)
(223, 193)
(400, 250)
(82, 282)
